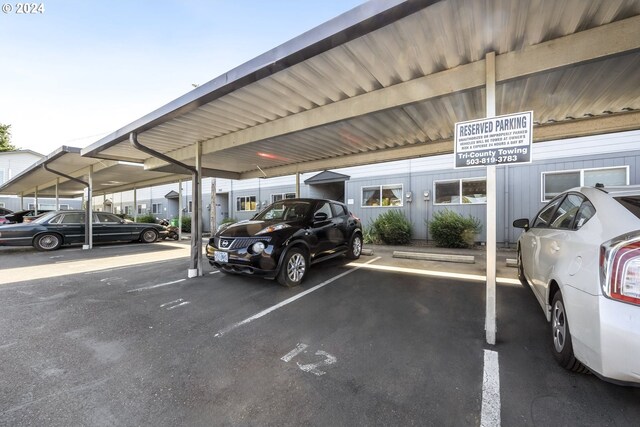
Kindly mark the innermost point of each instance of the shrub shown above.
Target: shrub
(392, 228)
(186, 224)
(452, 230)
(147, 219)
(369, 236)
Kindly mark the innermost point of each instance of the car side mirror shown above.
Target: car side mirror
(521, 223)
(320, 216)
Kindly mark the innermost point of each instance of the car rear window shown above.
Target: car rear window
(632, 203)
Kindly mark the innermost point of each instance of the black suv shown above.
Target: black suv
(284, 239)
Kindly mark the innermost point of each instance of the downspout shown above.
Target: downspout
(87, 214)
(196, 236)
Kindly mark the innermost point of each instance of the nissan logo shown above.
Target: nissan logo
(224, 243)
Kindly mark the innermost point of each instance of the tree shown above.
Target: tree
(5, 139)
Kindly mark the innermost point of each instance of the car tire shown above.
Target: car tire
(149, 235)
(355, 246)
(521, 277)
(47, 242)
(293, 269)
(561, 345)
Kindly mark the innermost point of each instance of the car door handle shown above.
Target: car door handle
(555, 247)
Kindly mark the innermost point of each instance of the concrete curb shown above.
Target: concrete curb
(466, 259)
(512, 262)
(367, 252)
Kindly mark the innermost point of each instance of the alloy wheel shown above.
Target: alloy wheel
(296, 267)
(559, 326)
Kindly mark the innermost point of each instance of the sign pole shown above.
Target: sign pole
(490, 61)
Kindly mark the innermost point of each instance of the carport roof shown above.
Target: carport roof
(388, 80)
(108, 175)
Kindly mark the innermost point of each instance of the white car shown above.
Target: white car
(581, 258)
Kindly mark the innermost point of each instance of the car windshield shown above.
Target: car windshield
(632, 203)
(285, 210)
(44, 217)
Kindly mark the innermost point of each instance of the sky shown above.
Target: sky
(81, 70)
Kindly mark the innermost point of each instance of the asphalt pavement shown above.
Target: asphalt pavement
(119, 336)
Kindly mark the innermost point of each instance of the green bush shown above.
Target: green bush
(186, 224)
(147, 219)
(452, 230)
(392, 228)
(369, 236)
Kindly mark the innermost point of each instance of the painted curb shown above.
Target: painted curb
(466, 259)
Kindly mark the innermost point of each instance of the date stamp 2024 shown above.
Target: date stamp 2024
(23, 8)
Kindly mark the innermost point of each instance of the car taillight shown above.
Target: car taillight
(620, 268)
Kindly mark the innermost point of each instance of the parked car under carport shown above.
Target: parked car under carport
(57, 228)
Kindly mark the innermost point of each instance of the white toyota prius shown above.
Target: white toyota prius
(581, 257)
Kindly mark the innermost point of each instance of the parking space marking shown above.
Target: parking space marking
(431, 273)
(22, 274)
(214, 272)
(356, 266)
(155, 286)
(312, 368)
(174, 304)
(490, 415)
(293, 353)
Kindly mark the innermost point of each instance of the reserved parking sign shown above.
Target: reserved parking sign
(494, 141)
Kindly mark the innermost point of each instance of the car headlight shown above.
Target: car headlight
(272, 228)
(257, 248)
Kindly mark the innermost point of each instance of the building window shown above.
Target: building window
(156, 208)
(278, 197)
(460, 191)
(247, 203)
(190, 206)
(1, 204)
(554, 183)
(142, 208)
(64, 207)
(382, 195)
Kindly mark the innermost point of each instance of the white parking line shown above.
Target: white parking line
(490, 415)
(156, 286)
(422, 272)
(228, 329)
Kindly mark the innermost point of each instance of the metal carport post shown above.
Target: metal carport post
(195, 261)
(88, 229)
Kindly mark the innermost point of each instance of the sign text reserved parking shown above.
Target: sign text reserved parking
(494, 141)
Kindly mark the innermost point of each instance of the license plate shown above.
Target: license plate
(220, 256)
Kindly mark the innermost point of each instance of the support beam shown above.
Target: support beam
(89, 211)
(179, 209)
(297, 184)
(213, 217)
(490, 319)
(196, 217)
(568, 129)
(591, 45)
(36, 200)
(135, 204)
(57, 194)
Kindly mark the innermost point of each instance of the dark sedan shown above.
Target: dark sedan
(285, 238)
(57, 228)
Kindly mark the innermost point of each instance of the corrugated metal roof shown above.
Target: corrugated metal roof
(274, 121)
(108, 176)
